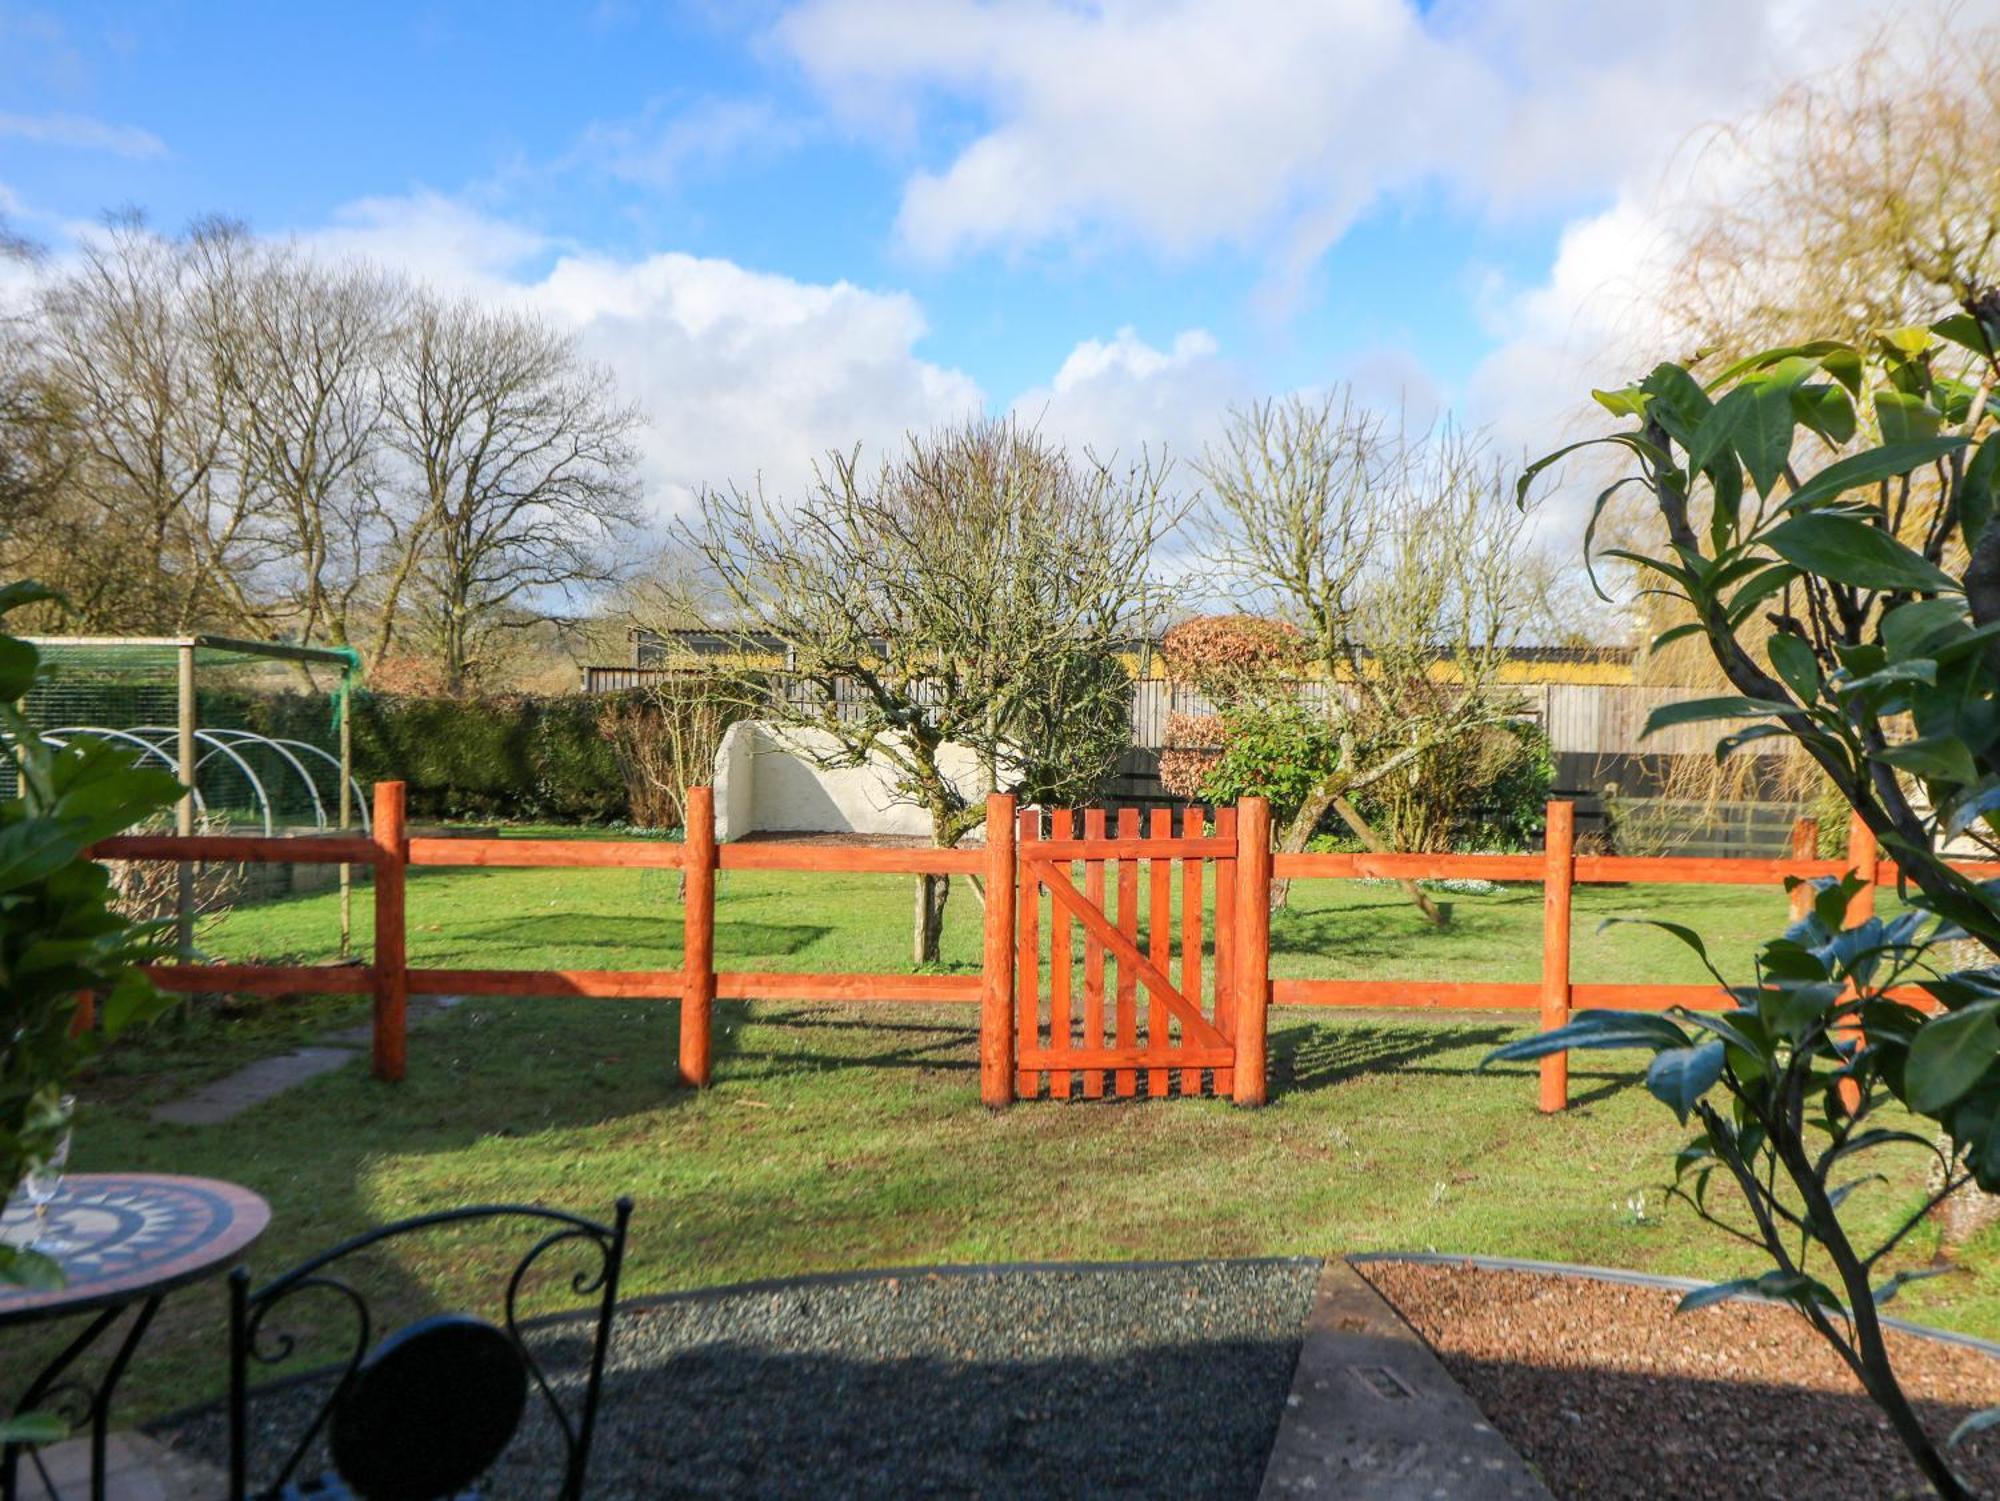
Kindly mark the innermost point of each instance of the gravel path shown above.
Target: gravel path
(1103, 1381)
(1610, 1396)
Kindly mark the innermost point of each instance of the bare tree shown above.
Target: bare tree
(523, 471)
(310, 427)
(40, 447)
(1404, 564)
(970, 593)
(128, 338)
(1857, 201)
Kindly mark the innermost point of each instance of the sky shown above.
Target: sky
(790, 225)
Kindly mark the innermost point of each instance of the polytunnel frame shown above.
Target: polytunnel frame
(151, 738)
(188, 734)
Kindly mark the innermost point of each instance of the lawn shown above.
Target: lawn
(841, 1137)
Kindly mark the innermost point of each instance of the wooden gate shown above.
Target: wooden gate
(1110, 995)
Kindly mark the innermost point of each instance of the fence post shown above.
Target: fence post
(1560, 874)
(1864, 854)
(996, 999)
(698, 936)
(392, 980)
(1805, 846)
(186, 761)
(1253, 946)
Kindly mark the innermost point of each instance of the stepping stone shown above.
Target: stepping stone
(263, 1080)
(135, 1469)
(1373, 1416)
(268, 1078)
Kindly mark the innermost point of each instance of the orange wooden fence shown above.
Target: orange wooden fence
(1144, 1015)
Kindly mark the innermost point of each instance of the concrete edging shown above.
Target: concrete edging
(1374, 1416)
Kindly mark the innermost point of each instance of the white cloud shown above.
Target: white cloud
(745, 374)
(1120, 395)
(740, 374)
(1185, 124)
(82, 133)
(435, 239)
(661, 145)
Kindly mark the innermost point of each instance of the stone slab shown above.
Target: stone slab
(1373, 1416)
(226, 1098)
(267, 1078)
(136, 1468)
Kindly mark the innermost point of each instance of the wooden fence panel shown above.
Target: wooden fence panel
(1225, 943)
(996, 1011)
(698, 939)
(1028, 966)
(1560, 852)
(390, 1049)
(1253, 947)
(1191, 899)
(1061, 1038)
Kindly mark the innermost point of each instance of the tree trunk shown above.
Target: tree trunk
(1435, 915)
(1299, 832)
(932, 893)
(1964, 1213)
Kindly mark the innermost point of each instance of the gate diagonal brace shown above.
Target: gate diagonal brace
(1195, 1028)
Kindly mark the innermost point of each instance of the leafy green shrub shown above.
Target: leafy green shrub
(1488, 792)
(1487, 789)
(1275, 748)
(1878, 579)
(59, 933)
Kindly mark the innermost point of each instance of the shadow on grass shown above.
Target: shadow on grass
(479, 1075)
(1306, 1058)
(941, 1046)
(1310, 1057)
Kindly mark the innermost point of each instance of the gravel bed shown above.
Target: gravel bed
(1091, 1381)
(1609, 1395)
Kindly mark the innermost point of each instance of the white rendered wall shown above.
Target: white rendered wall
(734, 780)
(766, 781)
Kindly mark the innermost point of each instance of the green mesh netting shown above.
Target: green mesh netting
(268, 742)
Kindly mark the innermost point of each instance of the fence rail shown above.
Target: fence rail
(1006, 980)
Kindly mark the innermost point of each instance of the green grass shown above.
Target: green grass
(852, 1137)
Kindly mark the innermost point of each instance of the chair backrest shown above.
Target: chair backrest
(426, 1411)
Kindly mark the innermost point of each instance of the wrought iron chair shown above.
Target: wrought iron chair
(425, 1413)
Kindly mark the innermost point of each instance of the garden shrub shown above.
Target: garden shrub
(1194, 745)
(1278, 749)
(1486, 790)
(512, 756)
(1224, 656)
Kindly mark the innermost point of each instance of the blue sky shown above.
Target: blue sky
(1181, 203)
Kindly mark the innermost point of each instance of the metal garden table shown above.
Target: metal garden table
(137, 1237)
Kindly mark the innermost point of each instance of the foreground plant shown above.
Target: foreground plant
(1856, 609)
(60, 934)
(1792, 1113)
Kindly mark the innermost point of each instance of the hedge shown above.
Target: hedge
(512, 757)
